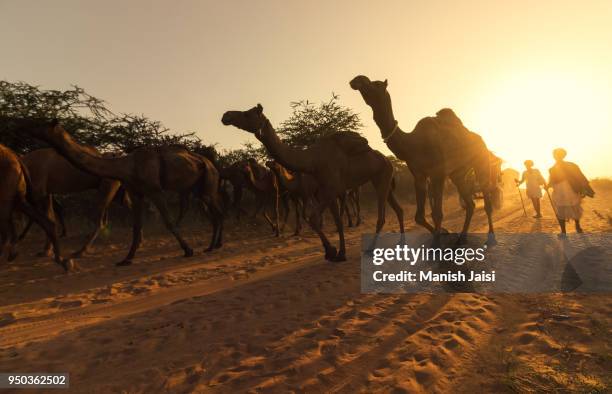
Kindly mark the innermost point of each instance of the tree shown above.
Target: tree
(309, 122)
(87, 118)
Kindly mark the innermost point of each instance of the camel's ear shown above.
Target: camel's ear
(54, 122)
(259, 108)
(386, 83)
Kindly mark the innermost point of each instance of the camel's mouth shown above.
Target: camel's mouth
(226, 119)
(359, 82)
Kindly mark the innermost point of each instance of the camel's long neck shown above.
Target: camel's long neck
(384, 119)
(292, 158)
(80, 157)
(389, 130)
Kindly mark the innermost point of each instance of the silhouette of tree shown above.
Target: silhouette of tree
(87, 118)
(309, 122)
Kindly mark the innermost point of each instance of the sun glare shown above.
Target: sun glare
(529, 115)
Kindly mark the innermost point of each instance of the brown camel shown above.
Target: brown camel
(437, 148)
(52, 174)
(145, 172)
(16, 194)
(338, 162)
(301, 187)
(264, 185)
(237, 177)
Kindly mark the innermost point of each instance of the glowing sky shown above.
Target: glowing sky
(529, 76)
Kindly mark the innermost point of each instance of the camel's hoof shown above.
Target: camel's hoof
(218, 246)
(208, 250)
(339, 257)
(68, 264)
(188, 252)
(12, 256)
(44, 253)
(491, 240)
(330, 254)
(77, 255)
(462, 240)
(124, 263)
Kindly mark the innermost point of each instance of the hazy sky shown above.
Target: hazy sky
(528, 75)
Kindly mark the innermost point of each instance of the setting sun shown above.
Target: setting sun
(526, 116)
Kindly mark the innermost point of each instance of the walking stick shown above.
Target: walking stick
(521, 196)
(552, 204)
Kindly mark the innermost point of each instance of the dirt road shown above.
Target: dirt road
(266, 314)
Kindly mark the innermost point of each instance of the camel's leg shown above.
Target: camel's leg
(183, 208)
(315, 223)
(437, 190)
(216, 217)
(465, 191)
(286, 209)
(262, 202)
(237, 203)
(48, 209)
(106, 194)
(345, 209)
(50, 229)
(420, 188)
(333, 207)
(60, 212)
(399, 212)
(137, 212)
(488, 205)
(160, 203)
(26, 229)
(275, 201)
(356, 205)
(298, 224)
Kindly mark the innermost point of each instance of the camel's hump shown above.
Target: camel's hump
(349, 142)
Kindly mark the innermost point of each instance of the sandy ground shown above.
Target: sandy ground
(270, 315)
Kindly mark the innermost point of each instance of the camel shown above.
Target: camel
(237, 177)
(264, 185)
(52, 174)
(437, 148)
(16, 194)
(145, 173)
(301, 188)
(337, 162)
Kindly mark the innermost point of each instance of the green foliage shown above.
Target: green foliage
(88, 120)
(309, 122)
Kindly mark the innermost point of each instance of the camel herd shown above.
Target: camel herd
(321, 177)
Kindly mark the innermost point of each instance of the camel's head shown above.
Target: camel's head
(49, 131)
(374, 93)
(251, 120)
